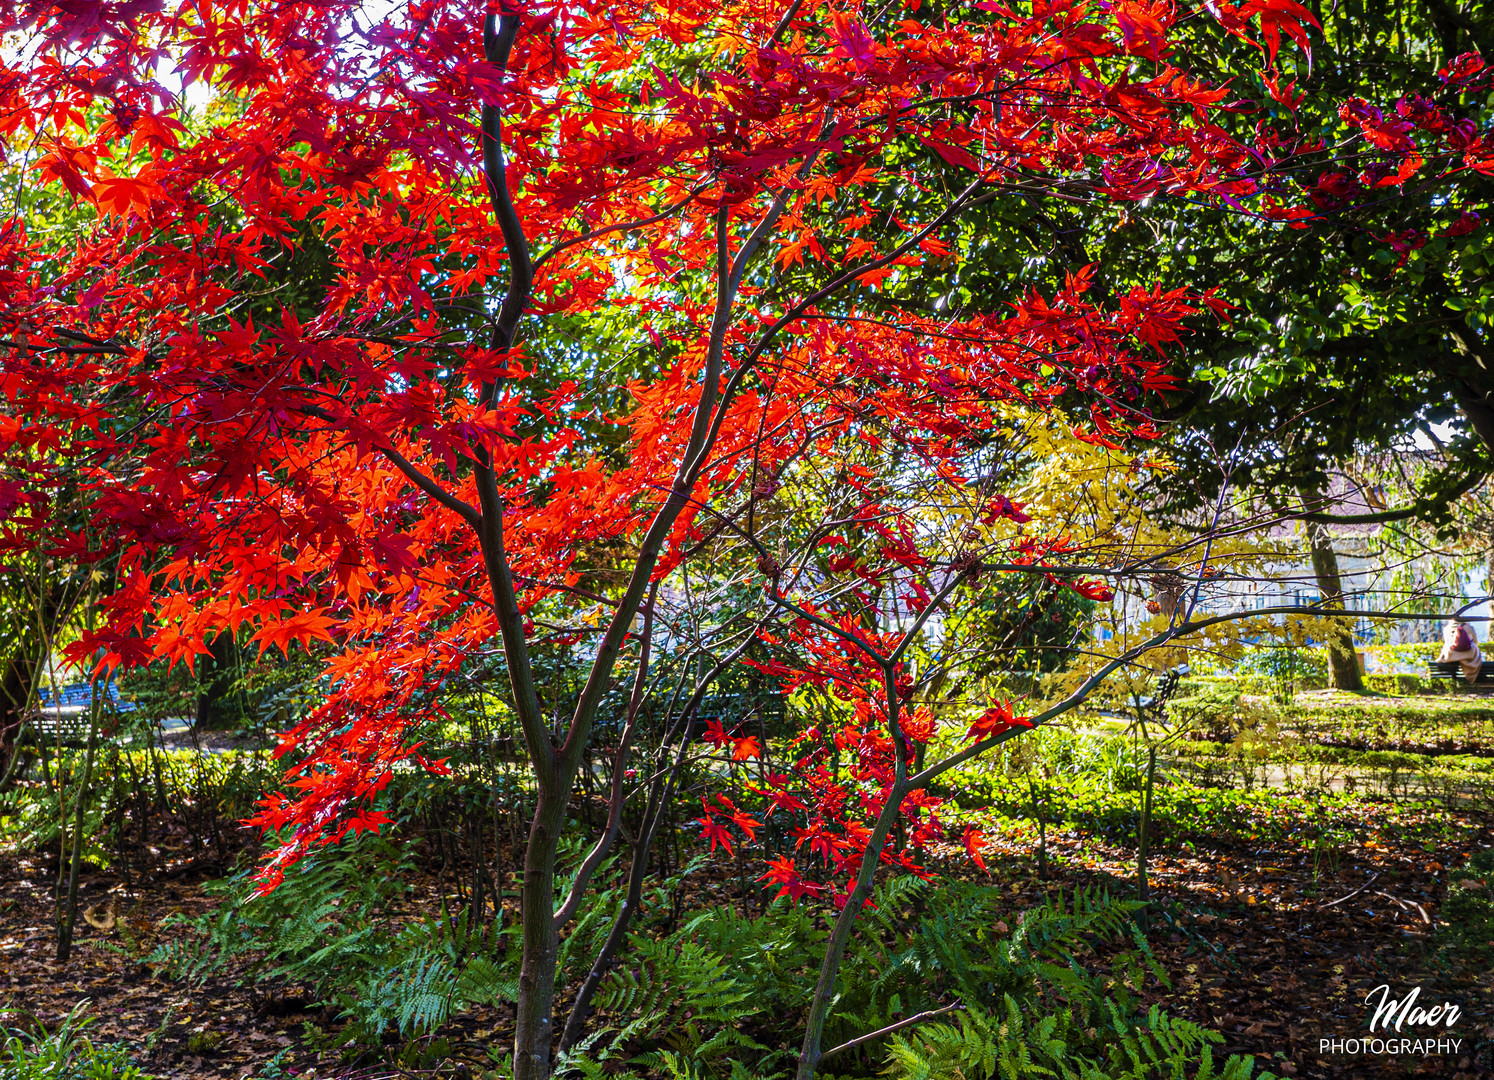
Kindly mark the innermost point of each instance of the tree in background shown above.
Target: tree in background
(1362, 290)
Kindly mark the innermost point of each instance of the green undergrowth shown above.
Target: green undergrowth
(1054, 989)
(1220, 707)
(213, 791)
(1399, 668)
(1466, 926)
(64, 1053)
(340, 932)
(1061, 985)
(1186, 811)
(1448, 724)
(1448, 779)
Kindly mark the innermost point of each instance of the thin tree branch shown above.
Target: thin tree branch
(917, 1018)
(621, 226)
(498, 39)
(1349, 896)
(1418, 508)
(599, 850)
(425, 483)
(702, 438)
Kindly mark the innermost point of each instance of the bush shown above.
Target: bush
(1286, 668)
(1218, 709)
(209, 793)
(1404, 685)
(1414, 656)
(64, 1054)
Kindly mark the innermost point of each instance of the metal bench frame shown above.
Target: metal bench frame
(66, 717)
(1452, 671)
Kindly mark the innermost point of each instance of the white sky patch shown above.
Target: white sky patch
(1442, 431)
(19, 49)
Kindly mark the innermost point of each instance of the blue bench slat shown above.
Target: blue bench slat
(82, 694)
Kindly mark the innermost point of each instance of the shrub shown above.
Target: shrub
(333, 928)
(64, 1054)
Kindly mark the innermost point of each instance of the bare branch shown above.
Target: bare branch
(917, 1018)
(428, 485)
(615, 802)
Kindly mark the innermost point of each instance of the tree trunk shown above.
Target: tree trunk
(532, 1023)
(218, 702)
(845, 922)
(68, 916)
(1488, 572)
(1343, 663)
(1143, 829)
(840, 935)
(581, 1010)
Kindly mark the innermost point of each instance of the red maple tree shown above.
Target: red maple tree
(330, 384)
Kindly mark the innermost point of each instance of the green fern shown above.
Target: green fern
(412, 1000)
(981, 1047)
(484, 982)
(949, 949)
(417, 979)
(330, 928)
(189, 956)
(769, 956)
(681, 994)
(964, 1049)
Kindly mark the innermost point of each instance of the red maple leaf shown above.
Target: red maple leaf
(782, 872)
(975, 842)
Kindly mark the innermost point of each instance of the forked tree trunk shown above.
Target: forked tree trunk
(1343, 662)
(601, 964)
(555, 765)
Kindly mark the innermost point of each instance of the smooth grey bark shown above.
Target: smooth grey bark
(16, 753)
(618, 795)
(845, 922)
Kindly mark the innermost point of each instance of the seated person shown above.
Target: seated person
(1461, 644)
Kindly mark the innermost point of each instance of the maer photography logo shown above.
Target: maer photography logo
(1401, 1025)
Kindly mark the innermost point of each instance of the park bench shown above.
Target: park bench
(65, 716)
(1452, 671)
(1152, 708)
